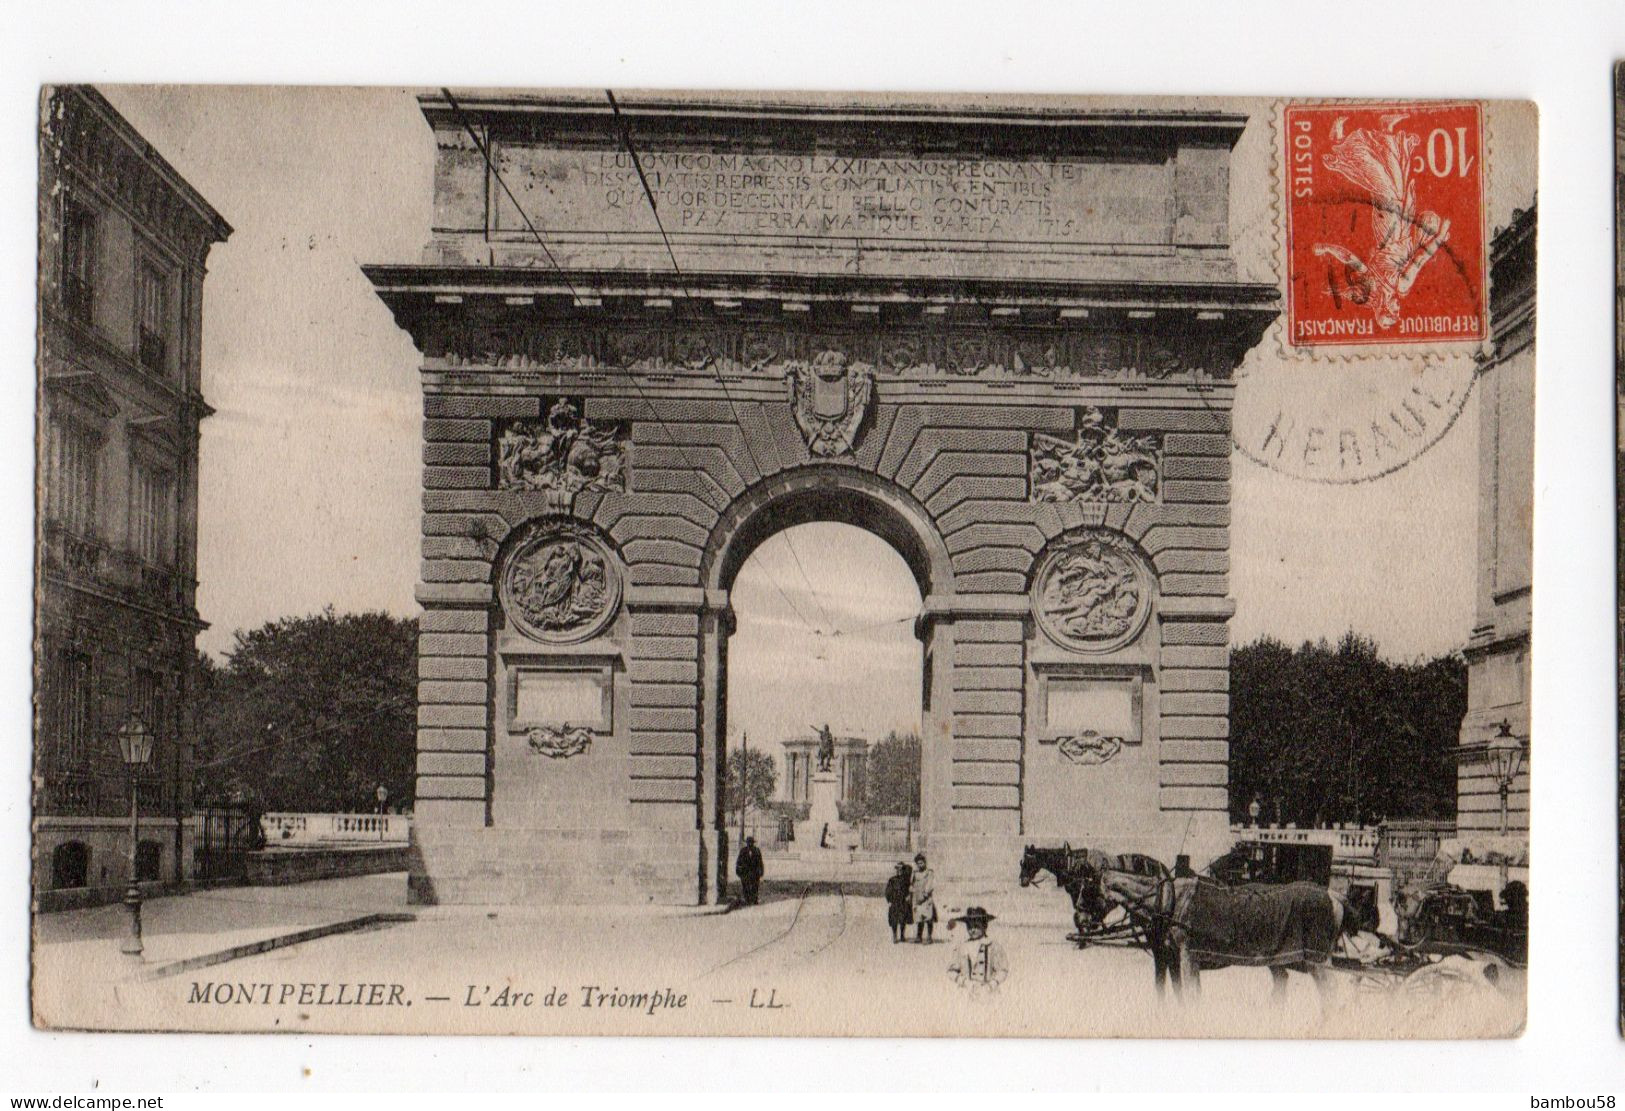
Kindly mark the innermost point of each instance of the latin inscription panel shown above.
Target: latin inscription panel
(834, 196)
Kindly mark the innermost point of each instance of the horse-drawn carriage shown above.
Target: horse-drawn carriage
(1192, 922)
(1448, 919)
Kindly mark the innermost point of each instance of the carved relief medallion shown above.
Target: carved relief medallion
(562, 585)
(902, 354)
(968, 355)
(566, 453)
(693, 350)
(1102, 464)
(1040, 354)
(631, 348)
(1093, 594)
(758, 351)
(830, 397)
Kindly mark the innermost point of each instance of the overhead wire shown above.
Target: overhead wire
(490, 163)
(789, 542)
(496, 174)
(625, 129)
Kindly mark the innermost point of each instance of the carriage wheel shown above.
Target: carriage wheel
(1442, 984)
(1366, 982)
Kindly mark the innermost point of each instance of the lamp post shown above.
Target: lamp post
(382, 795)
(135, 746)
(1505, 754)
(744, 782)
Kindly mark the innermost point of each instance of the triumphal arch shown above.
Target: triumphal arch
(999, 337)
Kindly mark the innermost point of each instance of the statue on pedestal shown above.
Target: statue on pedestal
(826, 748)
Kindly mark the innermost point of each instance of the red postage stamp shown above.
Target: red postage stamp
(1384, 224)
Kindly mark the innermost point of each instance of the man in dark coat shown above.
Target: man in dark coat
(749, 870)
(899, 903)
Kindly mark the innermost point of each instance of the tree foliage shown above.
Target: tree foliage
(892, 776)
(752, 776)
(310, 714)
(1326, 733)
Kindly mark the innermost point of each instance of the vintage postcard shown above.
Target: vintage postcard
(622, 562)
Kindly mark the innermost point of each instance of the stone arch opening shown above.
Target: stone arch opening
(824, 666)
(829, 493)
(836, 494)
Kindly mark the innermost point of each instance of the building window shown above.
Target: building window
(78, 261)
(152, 308)
(150, 702)
(151, 497)
(75, 718)
(70, 485)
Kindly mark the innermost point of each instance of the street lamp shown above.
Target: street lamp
(1505, 754)
(135, 746)
(382, 795)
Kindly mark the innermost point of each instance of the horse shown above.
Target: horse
(1206, 924)
(1078, 872)
(1063, 864)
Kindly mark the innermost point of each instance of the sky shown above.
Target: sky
(310, 466)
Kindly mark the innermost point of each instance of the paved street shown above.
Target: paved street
(792, 965)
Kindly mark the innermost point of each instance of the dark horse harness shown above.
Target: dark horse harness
(1157, 906)
(1079, 871)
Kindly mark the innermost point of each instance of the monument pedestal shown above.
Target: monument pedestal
(823, 798)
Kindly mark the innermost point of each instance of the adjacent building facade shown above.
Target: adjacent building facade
(122, 249)
(1000, 338)
(1498, 649)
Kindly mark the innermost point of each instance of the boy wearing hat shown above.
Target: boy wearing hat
(979, 962)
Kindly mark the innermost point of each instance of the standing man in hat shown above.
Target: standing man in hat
(979, 962)
(749, 870)
(899, 903)
(923, 891)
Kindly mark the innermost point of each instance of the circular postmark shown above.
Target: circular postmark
(1346, 422)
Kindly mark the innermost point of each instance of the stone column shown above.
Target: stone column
(716, 624)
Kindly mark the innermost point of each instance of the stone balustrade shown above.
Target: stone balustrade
(1359, 843)
(289, 830)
